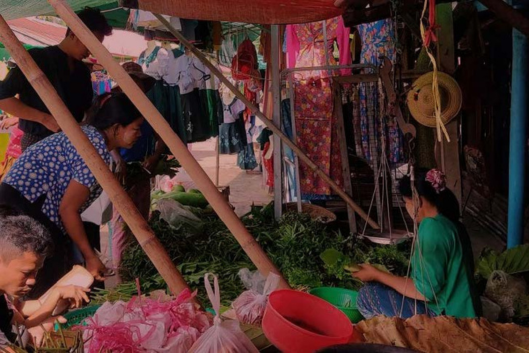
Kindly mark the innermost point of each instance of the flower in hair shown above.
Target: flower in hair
(437, 178)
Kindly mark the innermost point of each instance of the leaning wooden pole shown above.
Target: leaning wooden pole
(101, 171)
(508, 14)
(177, 147)
(277, 131)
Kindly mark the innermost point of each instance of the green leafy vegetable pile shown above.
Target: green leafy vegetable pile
(294, 244)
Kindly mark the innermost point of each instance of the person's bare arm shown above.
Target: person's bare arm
(403, 285)
(151, 162)
(74, 198)
(16, 107)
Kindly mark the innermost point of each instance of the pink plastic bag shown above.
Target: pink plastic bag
(250, 305)
(224, 336)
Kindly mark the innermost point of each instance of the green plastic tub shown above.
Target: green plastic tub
(76, 317)
(343, 299)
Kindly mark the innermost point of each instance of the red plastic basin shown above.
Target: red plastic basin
(297, 322)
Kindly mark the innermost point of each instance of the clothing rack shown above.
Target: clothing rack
(289, 73)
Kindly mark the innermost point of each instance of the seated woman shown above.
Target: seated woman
(52, 183)
(441, 281)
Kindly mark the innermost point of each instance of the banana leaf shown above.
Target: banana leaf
(512, 261)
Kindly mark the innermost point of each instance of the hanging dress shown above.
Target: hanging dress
(232, 136)
(192, 109)
(208, 88)
(313, 102)
(172, 93)
(377, 40)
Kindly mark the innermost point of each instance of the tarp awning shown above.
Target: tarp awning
(13, 9)
(248, 11)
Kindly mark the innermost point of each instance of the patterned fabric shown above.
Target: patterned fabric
(376, 299)
(317, 135)
(377, 40)
(47, 168)
(306, 45)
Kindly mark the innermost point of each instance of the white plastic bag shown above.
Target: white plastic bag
(250, 305)
(224, 336)
(176, 214)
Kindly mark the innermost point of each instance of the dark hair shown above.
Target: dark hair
(445, 201)
(109, 109)
(94, 20)
(21, 234)
(6, 211)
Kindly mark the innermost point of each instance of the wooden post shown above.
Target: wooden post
(449, 151)
(346, 170)
(177, 147)
(508, 14)
(276, 130)
(101, 171)
(276, 118)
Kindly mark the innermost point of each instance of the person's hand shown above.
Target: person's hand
(150, 164)
(74, 294)
(96, 268)
(50, 123)
(8, 122)
(37, 333)
(367, 273)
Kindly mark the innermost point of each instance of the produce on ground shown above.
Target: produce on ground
(192, 197)
(501, 278)
(445, 334)
(294, 244)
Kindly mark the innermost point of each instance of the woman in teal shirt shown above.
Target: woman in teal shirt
(440, 281)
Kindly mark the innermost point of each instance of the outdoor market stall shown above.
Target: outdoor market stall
(276, 244)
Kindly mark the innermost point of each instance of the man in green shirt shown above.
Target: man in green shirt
(440, 281)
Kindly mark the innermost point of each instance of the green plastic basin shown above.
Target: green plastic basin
(341, 298)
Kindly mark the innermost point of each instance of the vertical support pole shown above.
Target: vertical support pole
(276, 118)
(346, 170)
(518, 137)
(295, 139)
(449, 152)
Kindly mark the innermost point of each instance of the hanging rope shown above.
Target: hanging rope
(428, 36)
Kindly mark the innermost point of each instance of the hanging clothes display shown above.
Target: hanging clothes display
(265, 140)
(377, 40)
(246, 159)
(232, 135)
(101, 83)
(313, 103)
(195, 120)
(208, 86)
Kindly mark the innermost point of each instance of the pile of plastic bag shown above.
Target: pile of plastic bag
(154, 324)
(251, 304)
(224, 336)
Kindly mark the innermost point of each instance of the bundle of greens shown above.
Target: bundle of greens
(136, 172)
(294, 244)
(388, 258)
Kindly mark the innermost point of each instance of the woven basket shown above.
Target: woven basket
(317, 213)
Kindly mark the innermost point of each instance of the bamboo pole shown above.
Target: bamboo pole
(277, 131)
(101, 171)
(177, 147)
